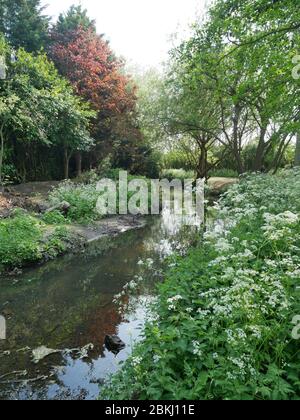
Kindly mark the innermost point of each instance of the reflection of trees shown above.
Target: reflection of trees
(68, 303)
(101, 321)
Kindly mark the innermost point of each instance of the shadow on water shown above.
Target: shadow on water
(69, 304)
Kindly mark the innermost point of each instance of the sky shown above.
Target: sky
(138, 30)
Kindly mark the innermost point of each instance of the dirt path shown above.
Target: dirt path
(32, 189)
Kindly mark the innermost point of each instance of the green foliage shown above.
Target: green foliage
(75, 18)
(54, 218)
(181, 174)
(297, 154)
(138, 159)
(82, 198)
(176, 159)
(23, 23)
(9, 174)
(223, 173)
(20, 240)
(26, 240)
(222, 326)
(39, 109)
(228, 85)
(58, 243)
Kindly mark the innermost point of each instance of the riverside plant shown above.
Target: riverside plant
(83, 198)
(26, 240)
(222, 327)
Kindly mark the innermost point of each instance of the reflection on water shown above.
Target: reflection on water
(69, 303)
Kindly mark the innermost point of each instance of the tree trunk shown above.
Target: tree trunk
(202, 164)
(280, 156)
(297, 154)
(260, 151)
(1, 153)
(78, 158)
(236, 145)
(66, 164)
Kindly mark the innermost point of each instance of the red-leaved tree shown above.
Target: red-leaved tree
(86, 59)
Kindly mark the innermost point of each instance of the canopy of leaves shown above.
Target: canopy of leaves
(39, 107)
(75, 18)
(230, 84)
(24, 24)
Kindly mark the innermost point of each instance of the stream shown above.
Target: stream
(58, 314)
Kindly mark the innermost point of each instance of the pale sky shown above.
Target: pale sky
(138, 30)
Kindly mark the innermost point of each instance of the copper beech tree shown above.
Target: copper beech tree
(87, 61)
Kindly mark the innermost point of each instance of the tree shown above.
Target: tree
(38, 109)
(8, 107)
(255, 98)
(191, 114)
(24, 24)
(269, 31)
(87, 61)
(75, 18)
(297, 154)
(69, 127)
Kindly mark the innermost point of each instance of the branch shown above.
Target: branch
(279, 31)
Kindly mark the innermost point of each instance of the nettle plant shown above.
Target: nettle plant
(223, 321)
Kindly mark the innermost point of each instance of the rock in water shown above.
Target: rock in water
(63, 207)
(114, 344)
(41, 353)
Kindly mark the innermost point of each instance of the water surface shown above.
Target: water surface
(69, 303)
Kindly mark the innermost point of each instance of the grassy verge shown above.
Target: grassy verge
(223, 323)
(181, 174)
(26, 240)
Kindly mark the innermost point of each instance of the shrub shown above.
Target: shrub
(59, 242)
(26, 240)
(181, 174)
(82, 199)
(54, 218)
(223, 173)
(20, 240)
(176, 160)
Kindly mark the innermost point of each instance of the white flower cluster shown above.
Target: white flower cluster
(136, 361)
(197, 349)
(278, 226)
(172, 302)
(251, 295)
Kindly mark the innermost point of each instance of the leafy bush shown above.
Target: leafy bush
(26, 240)
(82, 199)
(181, 174)
(138, 159)
(222, 326)
(224, 173)
(54, 218)
(9, 174)
(87, 177)
(58, 243)
(176, 160)
(20, 240)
